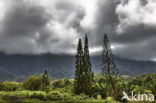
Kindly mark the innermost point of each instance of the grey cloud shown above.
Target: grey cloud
(20, 26)
(105, 21)
(133, 39)
(144, 50)
(135, 34)
(25, 19)
(138, 37)
(30, 28)
(38, 28)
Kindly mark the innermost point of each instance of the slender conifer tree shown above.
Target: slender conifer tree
(108, 65)
(88, 74)
(83, 73)
(78, 81)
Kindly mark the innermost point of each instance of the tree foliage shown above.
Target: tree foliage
(9, 86)
(32, 83)
(108, 65)
(88, 74)
(83, 73)
(78, 82)
(45, 80)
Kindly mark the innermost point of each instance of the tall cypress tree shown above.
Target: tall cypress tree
(78, 81)
(83, 73)
(88, 74)
(108, 65)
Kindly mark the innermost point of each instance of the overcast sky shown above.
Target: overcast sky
(54, 26)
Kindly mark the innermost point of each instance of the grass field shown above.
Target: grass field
(25, 97)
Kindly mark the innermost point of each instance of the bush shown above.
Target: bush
(67, 82)
(117, 96)
(1, 86)
(103, 88)
(138, 89)
(32, 83)
(83, 96)
(53, 96)
(9, 86)
(39, 96)
(45, 81)
(95, 88)
(58, 84)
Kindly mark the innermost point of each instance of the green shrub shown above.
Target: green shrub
(139, 89)
(9, 86)
(117, 96)
(1, 86)
(58, 83)
(32, 83)
(103, 88)
(83, 96)
(95, 88)
(67, 82)
(54, 96)
(39, 96)
(45, 81)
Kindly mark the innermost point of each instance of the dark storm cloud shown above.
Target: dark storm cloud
(54, 26)
(107, 22)
(23, 19)
(106, 19)
(29, 27)
(132, 32)
(144, 50)
(136, 29)
(135, 34)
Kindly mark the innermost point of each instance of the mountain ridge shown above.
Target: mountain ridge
(17, 66)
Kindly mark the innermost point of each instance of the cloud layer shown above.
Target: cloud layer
(54, 26)
(137, 28)
(135, 13)
(30, 27)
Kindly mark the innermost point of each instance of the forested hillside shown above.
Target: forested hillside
(18, 67)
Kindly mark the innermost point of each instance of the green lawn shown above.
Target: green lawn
(22, 96)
